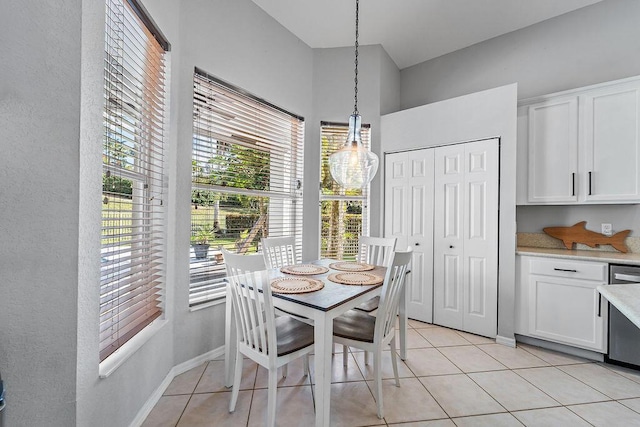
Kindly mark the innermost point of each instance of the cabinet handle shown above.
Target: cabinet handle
(589, 182)
(417, 244)
(599, 304)
(573, 184)
(566, 270)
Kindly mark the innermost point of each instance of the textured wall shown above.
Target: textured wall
(39, 133)
(591, 45)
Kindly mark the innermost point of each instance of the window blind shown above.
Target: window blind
(247, 160)
(131, 282)
(344, 213)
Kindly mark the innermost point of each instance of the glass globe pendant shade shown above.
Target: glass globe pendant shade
(353, 166)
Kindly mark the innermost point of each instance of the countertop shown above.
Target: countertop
(601, 256)
(625, 298)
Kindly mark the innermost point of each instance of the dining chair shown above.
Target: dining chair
(270, 341)
(360, 330)
(278, 251)
(375, 251)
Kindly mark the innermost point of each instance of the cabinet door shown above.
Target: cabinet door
(611, 141)
(521, 156)
(553, 151)
(567, 311)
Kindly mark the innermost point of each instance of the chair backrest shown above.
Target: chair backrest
(254, 312)
(376, 250)
(390, 295)
(278, 251)
(240, 264)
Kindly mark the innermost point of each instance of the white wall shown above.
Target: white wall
(39, 164)
(597, 43)
(591, 45)
(486, 114)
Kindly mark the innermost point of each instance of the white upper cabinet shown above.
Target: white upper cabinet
(553, 151)
(610, 119)
(582, 146)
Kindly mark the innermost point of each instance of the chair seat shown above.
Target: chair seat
(355, 325)
(369, 306)
(293, 335)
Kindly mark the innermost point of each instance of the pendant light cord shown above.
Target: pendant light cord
(355, 97)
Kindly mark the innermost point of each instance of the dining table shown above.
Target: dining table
(320, 308)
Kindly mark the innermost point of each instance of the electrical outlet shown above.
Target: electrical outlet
(607, 230)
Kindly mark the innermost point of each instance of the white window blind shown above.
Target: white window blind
(344, 213)
(247, 159)
(132, 273)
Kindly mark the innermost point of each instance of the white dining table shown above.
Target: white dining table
(321, 307)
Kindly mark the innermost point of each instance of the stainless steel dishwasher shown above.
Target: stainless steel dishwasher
(624, 336)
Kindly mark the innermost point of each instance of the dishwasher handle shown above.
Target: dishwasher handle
(626, 277)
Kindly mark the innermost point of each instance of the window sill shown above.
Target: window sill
(113, 362)
(208, 304)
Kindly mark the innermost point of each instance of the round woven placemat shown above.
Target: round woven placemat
(351, 266)
(304, 269)
(295, 285)
(356, 278)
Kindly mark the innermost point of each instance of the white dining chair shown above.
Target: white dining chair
(375, 251)
(278, 251)
(270, 341)
(371, 334)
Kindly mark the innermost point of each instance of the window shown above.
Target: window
(344, 213)
(246, 179)
(132, 180)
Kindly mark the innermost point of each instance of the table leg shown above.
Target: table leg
(323, 335)
(402, 314)
(230, 341)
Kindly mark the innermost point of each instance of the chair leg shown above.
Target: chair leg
(305, 361)
(377, 372)
(285, 370)
(237, 377)
(271, 397)
(366, 357)
(394, 360)
(345, 355)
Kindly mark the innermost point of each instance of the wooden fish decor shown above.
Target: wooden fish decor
(579, 234)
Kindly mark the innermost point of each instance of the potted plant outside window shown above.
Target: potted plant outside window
(201, 241)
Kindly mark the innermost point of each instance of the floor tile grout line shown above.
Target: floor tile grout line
(604, 365)
(588, 385)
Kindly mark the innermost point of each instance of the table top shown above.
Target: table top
(333, 294)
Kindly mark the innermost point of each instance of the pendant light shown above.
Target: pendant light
(353, 166)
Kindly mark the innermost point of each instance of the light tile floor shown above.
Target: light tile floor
(451, 378)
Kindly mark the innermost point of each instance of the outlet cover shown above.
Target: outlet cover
(607, 230)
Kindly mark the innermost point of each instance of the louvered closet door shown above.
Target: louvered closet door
(466, 237)
(409, 218)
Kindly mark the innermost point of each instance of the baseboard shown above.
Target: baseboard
(509, 342)
(574, 351)
(146, 409)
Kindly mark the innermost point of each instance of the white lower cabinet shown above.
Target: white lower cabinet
(558, 301)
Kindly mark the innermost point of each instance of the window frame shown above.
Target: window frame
(133, 219)
(229, 121)
(339, 131)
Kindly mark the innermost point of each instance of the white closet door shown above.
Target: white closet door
(481, 238)
(396, 196)
(448, 244)
(466, 237)
(409, 218)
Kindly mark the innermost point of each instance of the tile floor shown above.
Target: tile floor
(450, 378)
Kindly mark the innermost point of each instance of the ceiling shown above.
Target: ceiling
(411, 31)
